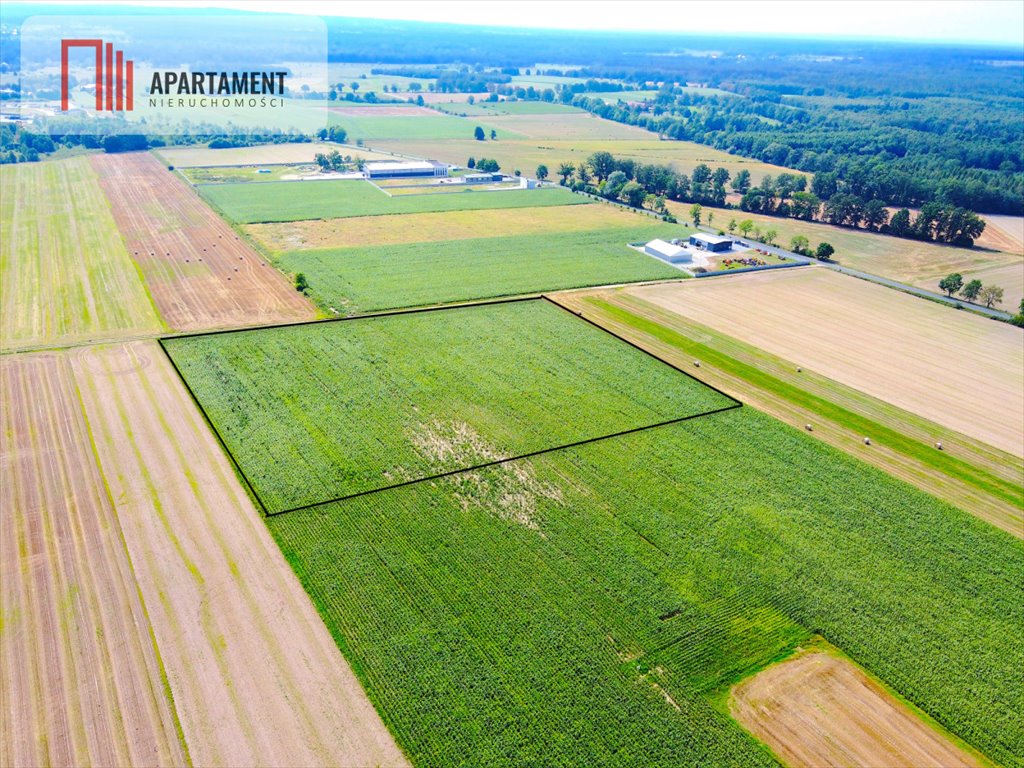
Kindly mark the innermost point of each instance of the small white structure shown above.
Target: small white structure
(660, 249)
(526, 183)
(386, 170)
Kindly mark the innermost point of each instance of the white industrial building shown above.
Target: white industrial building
(660, 249)
(716, 243)
(391, 170)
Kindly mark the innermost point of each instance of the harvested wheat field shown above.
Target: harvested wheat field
(1009, 229)
(200, 273)
(817, 709)
(398, 229)
(256, 677)
(959, 370)
(65, 276)
(82, 681)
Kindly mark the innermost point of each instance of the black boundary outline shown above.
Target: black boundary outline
(543, 297)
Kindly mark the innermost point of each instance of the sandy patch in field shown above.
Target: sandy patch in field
(200, 273)
(820, 710)
(80, 677)
(434, 227)
(256, 677)
(959, 370)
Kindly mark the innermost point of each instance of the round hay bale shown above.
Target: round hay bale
(808, 427)
(696, 363)
(867, 441)
(799, 370)
(939, 445)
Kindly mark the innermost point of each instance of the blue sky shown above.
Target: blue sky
(967, 21)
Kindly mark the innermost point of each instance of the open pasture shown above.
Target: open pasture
(566, 126)
(433, 227)
(200, 274)
(818, 708)
(65, 275)
(527, 154)
(350, 280)
(956, 369)
(262, 154)
(480, 383)
(603, 599)
(294, 201)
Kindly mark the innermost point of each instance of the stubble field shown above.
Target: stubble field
(65, 275)
(200, 273)
(958, 370)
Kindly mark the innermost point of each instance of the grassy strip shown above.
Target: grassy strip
(939, 461)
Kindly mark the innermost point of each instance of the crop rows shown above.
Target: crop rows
(294, 201)
(352, 406)
(680, 558)
(416, 274)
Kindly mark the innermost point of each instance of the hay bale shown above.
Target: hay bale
(696, 363)
(939, 445)
(808, 427)
(867, 441)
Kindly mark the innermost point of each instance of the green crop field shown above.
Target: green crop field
(65, 274)
(510, 108)
(413, 126)
(350, 406)
(416, 274)
(296, 201)
(592, 606)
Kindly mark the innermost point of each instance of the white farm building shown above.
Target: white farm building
(391, 170)
(660, 249)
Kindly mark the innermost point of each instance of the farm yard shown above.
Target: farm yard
(379, 425)
(65, 276)
(200, 274)
(373, 278)
(398, 229)
(290, 201)
(960, 371)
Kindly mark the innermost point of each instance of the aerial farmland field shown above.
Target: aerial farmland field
(660, 568)
(439, 226)
(268, 154)
(521, 366)
(65, 275)
(413, 126)
(371, 278)
(958, 370)
(293, 201)
(200, 273)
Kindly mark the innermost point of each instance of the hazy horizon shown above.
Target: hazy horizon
(984, 22)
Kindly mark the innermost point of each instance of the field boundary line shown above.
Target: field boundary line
(734, 403)
(499, 462)
(216, 432)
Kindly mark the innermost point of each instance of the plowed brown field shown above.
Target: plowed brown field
(141, 589)
(200, 273)
(821, 710)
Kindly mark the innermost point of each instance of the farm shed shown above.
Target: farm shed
(667, 251)
(390, 170)
(481, 178)
(716, 243)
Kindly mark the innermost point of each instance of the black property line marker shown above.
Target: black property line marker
(647, 352)
(213, 427)
(366, 316)
(498, 462)
(392, 313)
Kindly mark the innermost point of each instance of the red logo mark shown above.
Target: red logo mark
(105, 76)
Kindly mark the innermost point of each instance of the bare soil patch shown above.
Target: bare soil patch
(956, 369)
(821, 710)
(200, 273)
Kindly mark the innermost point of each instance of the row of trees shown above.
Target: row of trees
(973, 291)
(483, 164)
